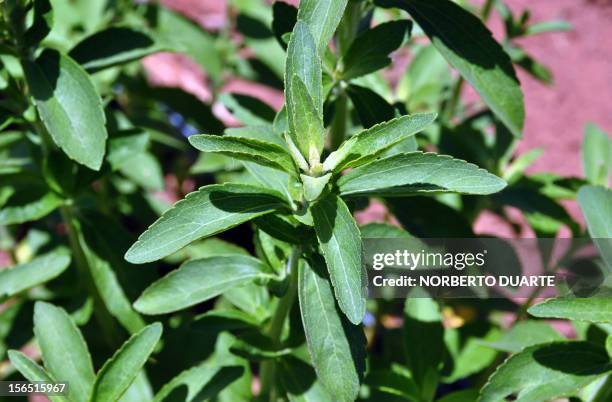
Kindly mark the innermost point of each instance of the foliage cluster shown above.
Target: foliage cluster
(85, 144)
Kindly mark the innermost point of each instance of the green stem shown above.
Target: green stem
(338, 126)
(345, 35)
(268, 368)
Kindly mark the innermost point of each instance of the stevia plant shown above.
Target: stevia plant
(85, 141)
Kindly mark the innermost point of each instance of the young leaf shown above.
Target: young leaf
(323, 17)
(593, 309)
(113, 46)
(33, 372)
(335, 345)
(38, 271)
(199, 280)
(368, 144)
(340, 241)
(308, 131)
(370, 51)
(63, 348)
(596, 205)
(423, 342)
(546, 371)
(314, 186)
(596, 155)
(303, 62)
(205, 212)
(69, 106)
(121, 370)
(419, 172)
(247, 149)
(468, 45)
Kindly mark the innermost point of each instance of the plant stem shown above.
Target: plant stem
(338, 126)
(268, 368)
(346, 32)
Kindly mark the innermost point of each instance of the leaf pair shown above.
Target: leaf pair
(66, 358)
(304, 93)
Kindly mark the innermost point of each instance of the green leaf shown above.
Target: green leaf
(524, 334)
(304, 102)
(25, 198)
(370, 107)
(205, 212)
(63, 348)
(121, 370)
(596, 155)
(104, 263)
(33, 372)
(466, 354)
(314, 186)
(469, 46)
(423, 342)
(200, 380)
(335, 345)
(38, 271)
(307, 125)
(594, 309)
(417, 172)
(247, 149)
(140, 389)
(323, 17)
(545, 372)
(596, 205)
(144, 170)
(69, 106)
(181, 33)
(113, 46)
(340, 241)
(124, 145)
(370, 51)
(200, 280)
(368, 144)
